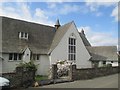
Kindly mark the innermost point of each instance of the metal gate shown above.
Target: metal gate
(63, 68)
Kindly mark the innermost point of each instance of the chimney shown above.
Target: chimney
(57, 24)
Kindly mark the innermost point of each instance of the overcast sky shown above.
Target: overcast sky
(98, 19)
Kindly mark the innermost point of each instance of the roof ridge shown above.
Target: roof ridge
(67, 23)
(105, 46)
(26, 21)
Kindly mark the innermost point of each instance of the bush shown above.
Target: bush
(29, 66)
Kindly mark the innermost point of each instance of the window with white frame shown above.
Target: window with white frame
(35, 57)
(23, 35)
(72, 49)
(15, 56)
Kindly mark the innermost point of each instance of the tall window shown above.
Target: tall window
(72, 49)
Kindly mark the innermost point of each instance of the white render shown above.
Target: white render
(108, 62)
(61, 51)
(43, 65)
(8, 66)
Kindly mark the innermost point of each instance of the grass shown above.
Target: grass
(40, 77)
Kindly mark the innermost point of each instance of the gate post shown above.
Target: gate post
(54, 71)
(72, 72)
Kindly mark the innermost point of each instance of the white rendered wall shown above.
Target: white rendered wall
(108, 62)
(44, 65)
(113, 64)
(61, 51)
(9, 66)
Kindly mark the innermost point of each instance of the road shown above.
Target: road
(101, 82)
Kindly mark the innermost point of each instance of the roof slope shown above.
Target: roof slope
(40, 36)
(103, 53)
(59, 35)
(84, 39)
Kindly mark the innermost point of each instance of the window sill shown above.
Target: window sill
(14, 60)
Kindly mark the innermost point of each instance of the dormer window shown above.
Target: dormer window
(23, 35)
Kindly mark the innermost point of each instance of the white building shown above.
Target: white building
(24, 41)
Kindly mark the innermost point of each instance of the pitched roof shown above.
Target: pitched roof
(40, 36)
(84, 39)
(42, 39)
(103, 53)
(59, 35)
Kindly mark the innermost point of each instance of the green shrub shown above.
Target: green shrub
(30, 65)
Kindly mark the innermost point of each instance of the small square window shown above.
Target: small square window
(104, 62)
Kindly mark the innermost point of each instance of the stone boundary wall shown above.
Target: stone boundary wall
(89, 73)
(85, 73)
(20, 78)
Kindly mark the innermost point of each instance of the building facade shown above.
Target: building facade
(23, 41)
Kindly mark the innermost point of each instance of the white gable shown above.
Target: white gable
(26, 56)
(61, 51)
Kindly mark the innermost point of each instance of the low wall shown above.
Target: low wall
(89, 73)
(86, 73)
(20, 78)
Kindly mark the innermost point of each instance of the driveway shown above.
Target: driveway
(101, 82)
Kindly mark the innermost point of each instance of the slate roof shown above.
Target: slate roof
(40, 36)
(101, 53)
(59, 34)
(84, 39)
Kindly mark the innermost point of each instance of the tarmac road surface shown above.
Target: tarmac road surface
(110, 81)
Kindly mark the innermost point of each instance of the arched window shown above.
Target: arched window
(72, 47)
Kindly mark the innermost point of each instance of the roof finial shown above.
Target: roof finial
(82, 31)
(57, 24)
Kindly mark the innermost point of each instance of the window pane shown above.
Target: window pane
(69, 41)
(69, 49)
(104, 62)
(20, 57)
(74, 57)
(10, 56)
(72, 41)
(38, 56)
(25, 35)
(34, 56)
(15, 56)
(22, 34)
(69, 57)
(74, 49)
